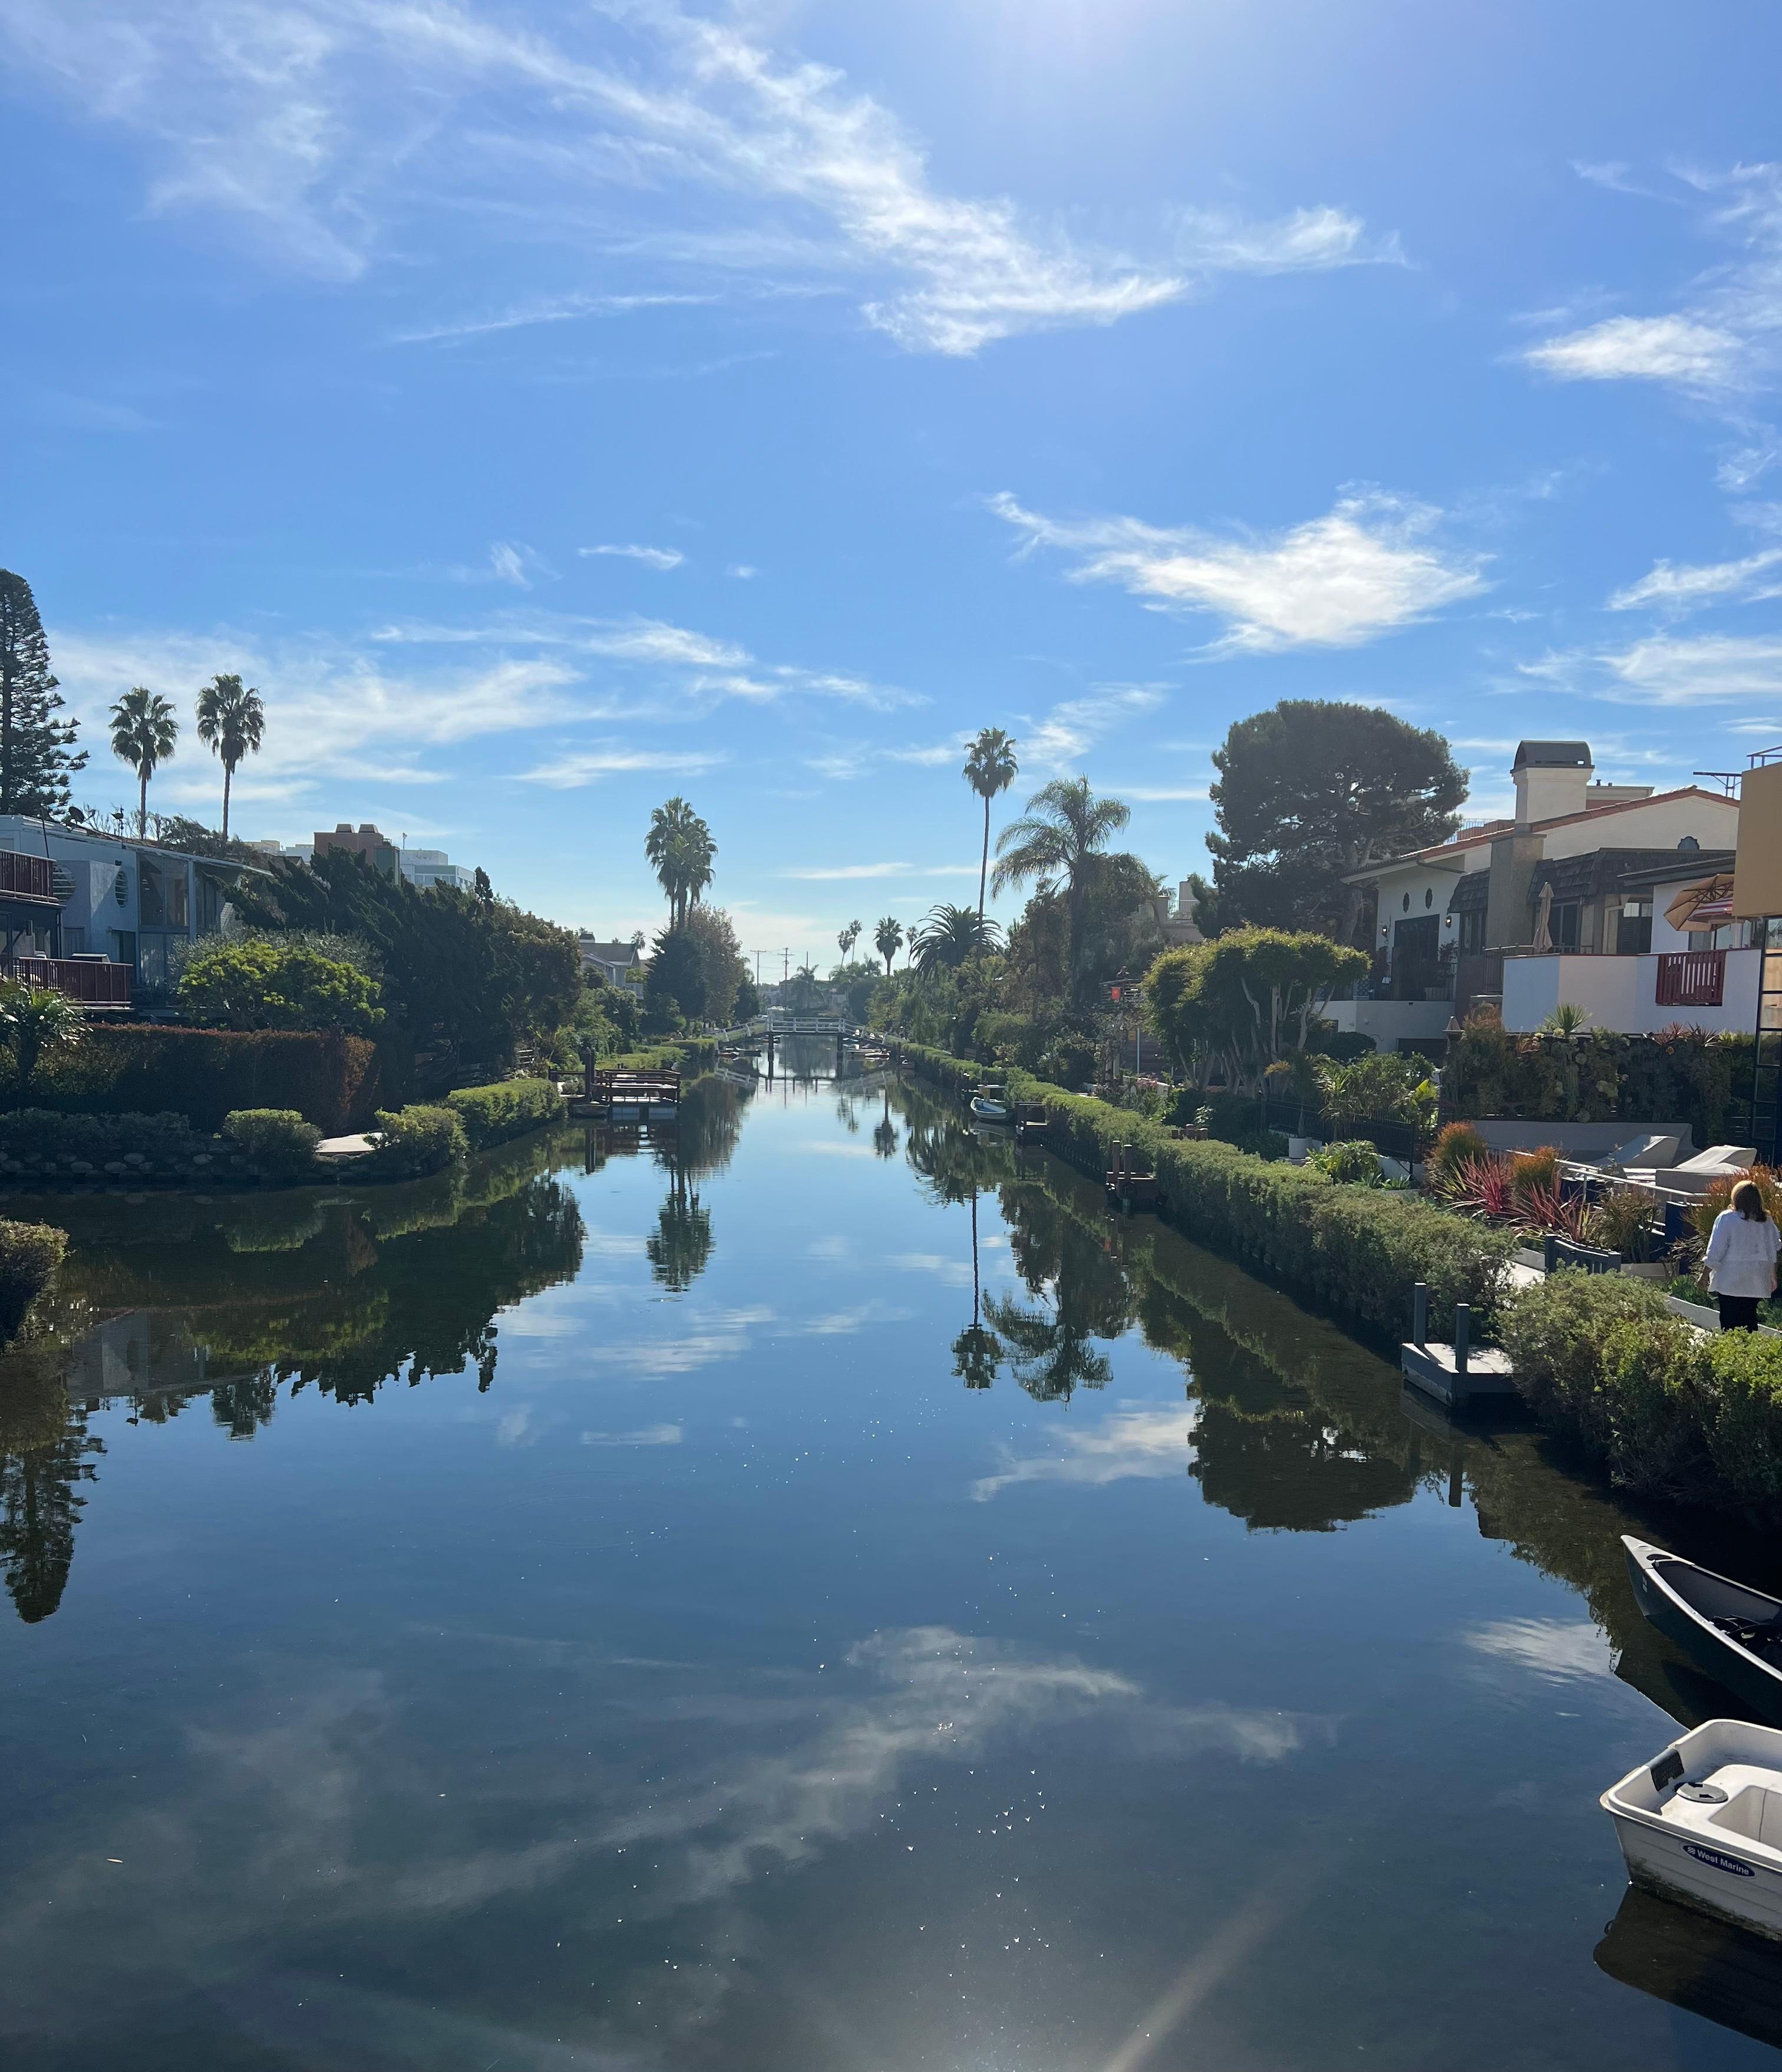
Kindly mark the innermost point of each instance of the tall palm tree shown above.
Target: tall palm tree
(230, 719)
(143, 732)
(1065, 828)
(679, 845)
(990, 768)
(849, 935)
(951, 936)
(888, 938)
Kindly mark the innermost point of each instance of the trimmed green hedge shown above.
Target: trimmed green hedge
(278, 1139)
(1667, 1410)
(695, 1054)
(1358, 1248)
(413, 1142)
(490, 1115)
(132, 1067)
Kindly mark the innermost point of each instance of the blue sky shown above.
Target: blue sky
(551, 408)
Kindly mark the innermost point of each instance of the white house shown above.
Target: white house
(1567, 894)
(609, 963)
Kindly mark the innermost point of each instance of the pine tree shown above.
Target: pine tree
(37, 755)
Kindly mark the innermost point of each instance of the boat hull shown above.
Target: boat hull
(1756, 1686)
(1695, 1873)
(989, 1110)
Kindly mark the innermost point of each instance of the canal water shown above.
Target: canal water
(809, 1592)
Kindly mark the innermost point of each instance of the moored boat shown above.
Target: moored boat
(1728, 1629)
(1702, 1823)
(989, 1104)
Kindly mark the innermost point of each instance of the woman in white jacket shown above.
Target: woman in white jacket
(1741, 1258)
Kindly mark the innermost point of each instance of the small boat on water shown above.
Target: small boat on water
(989, 1105)
(1702, 1823)
(1729, 1631)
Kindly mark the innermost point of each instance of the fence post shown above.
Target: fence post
(1550, 1251)
(1419, 1313)
(1463, 1332)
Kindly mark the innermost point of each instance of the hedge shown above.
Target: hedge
(412, 1143)
(331, 1080)
(490, 1115)
(695, 1054)
(29, 1256)
(278, 1139)
(1358, 1248)
(1669, 1410)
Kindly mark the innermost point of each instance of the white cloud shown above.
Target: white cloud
(828, 873)
(576, 768)
(1558, 1650)
(1134, 1439)
(562, 308)
(654, 557)
(1160, 794)
(1366, 568)
(323, 124)
(1671, 349)
(1714, 669)
(1682, 589)
(1070, 729)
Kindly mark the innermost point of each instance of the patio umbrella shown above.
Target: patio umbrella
(1543, 918)
(1682, 910)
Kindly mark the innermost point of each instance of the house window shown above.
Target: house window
(1472, 934)
(151, 910)
(1564, 924)
(176, 893)
(1633, 930)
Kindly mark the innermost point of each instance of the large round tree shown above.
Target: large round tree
(1310, 792)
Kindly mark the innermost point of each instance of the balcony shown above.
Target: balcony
(30, 878)
(92, 980)
(1692, 978)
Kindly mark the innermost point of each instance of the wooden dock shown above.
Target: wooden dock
(1130, 1191)
(1455, 1375)
(618, 1096)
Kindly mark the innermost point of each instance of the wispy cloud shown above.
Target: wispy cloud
(561, 308)
(647, 1435)
(1713, 669)
(654, 557)
(1058, 738)
(576, 768)
(1679, 589)
(1557, 1651)
(839, 872)
(1677, 349)
(1372, 564)
(320, 122)
(1134, 1439)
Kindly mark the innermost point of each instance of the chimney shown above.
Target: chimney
(1552, 778)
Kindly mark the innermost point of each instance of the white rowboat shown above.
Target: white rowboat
(1702, 1823)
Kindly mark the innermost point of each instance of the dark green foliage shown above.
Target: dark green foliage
(1680, 1074)
(1745, 1444)
(1355, 1162)
(37, 750)
(38, 1510)
(37, 1133)
(30, 1255)
(258, 985)
(492, 1114)
(467, 978)
(132, 1067)
(1311, 790)
(413, 1142)
(278, 1139)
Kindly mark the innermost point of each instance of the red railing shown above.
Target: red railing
(29, 877)
(1693, 978)
(93, 982)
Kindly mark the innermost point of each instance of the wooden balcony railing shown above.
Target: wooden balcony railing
(90, 980)
(1692, 978)
(26, 877)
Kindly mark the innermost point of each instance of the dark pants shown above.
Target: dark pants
(1738, 1313)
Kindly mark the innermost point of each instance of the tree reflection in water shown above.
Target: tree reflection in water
(703, 1141)
(230, 1300)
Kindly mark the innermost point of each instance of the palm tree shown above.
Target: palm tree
(143, 732)
(230, 719)
(951, 936)
(679, 845)
(990, 768)
(1065, 828)
(849, 935)
(888, 938)
(977, 1353)
(33, 1020)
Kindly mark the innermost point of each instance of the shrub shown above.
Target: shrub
(1534, 1172)
(278, 1139)
(1624, 1222)
(492, 1114)
(95, 1140)
(30, 1255)
(1745, 1437)
(260, 985)
(413, 1142)
(1356, 1161)
(1458, 1144)
(1554, 1332)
